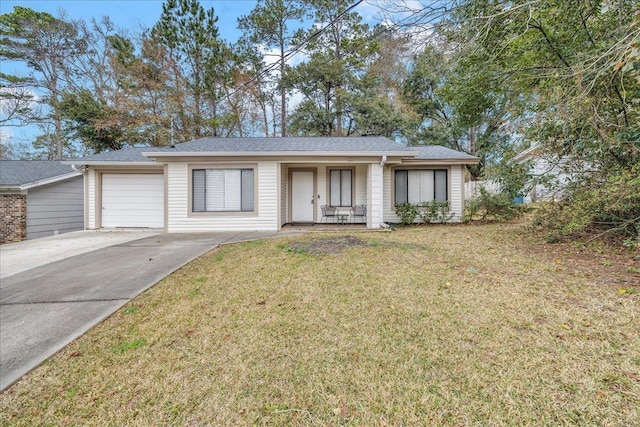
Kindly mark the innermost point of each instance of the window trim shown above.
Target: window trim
(353, 184)
(421, 168)
(198, 166)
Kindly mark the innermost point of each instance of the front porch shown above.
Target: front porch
(331, 195)
(324, 227)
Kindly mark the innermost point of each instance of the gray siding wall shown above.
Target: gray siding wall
(58, 207)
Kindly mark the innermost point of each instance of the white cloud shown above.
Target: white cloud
(272, 56)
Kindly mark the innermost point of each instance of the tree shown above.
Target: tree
(567, 73)
(460, 104)
(268, 25)
(45, 44)
(200, 65)
(338, 58)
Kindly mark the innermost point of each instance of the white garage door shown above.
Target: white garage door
(133, 200)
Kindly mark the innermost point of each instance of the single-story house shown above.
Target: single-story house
(215, 184)
(39, 198)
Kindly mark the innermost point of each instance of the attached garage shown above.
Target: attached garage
(132, 200)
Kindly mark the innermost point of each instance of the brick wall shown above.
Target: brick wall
(13, 217)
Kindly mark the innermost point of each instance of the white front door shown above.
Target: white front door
(302, 196)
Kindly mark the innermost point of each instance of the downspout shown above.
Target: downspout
(383, 162)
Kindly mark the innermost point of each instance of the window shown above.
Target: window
(340, 187)
(420, 185)
(223, 190)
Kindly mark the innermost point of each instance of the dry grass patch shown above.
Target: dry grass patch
(427, 326)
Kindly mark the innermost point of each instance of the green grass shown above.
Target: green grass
(451, 325)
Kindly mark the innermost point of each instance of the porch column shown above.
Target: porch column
(374, 195)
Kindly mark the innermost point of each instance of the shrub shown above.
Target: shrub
(435, 211)
(606, 203)
(493, 206)
(428, 212)
(407, 212)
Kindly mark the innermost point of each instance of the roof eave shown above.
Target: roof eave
(277, 153)
(110, 163)
(39, 182)
(445, 161)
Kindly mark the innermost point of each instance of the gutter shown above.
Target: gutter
(49, 180)
(112, 163)
(276, 153)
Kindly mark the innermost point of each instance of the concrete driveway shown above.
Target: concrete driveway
(46, 305)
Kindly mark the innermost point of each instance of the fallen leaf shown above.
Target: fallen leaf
(343, 412)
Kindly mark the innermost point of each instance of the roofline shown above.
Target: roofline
(40, 182)
(276, 153)
(109, 163)
(474, 161)
(524, 155)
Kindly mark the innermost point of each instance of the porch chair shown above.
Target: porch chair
(359, 211)
(328, 212)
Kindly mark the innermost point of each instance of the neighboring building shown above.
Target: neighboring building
(215, 184)
(39, 198)
(550, 174)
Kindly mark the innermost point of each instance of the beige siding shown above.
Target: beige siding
(179, 219)
(388, 212)
(91, 199)
(375, 196)
(361, 184)
(455, 187)
(456, 191)
(323, 191)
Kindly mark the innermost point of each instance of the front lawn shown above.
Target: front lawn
(445, 325)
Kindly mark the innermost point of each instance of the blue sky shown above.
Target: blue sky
(131, 15)
(134, 14)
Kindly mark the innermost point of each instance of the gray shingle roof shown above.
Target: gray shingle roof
(438, 152)
(310, 145)
(20, 172)
(127, 154)
(289, 144)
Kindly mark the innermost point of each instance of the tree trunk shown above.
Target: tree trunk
(283, 96)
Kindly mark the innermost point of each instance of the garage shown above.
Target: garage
(133, 200)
